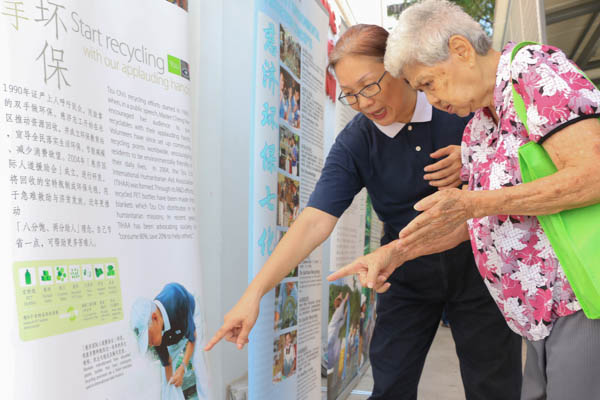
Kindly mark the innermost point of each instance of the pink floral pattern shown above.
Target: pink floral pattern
(512, 252)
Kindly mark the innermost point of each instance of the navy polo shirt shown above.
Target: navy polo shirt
(390, 168)
(179, 305)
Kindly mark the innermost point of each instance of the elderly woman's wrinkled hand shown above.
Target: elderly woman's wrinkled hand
(443, 212)
(445, 173)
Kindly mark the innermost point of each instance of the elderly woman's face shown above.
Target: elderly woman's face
(454, 86)
(394, 103)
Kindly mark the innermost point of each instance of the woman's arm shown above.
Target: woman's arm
(311, 229)
(575, 150)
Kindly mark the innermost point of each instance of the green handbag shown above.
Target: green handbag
(574, 234)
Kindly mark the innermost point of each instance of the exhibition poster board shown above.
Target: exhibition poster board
(286, 161)
(98, 193)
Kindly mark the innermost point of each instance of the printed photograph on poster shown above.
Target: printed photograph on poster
(288, 200)
(289, 151)
(289, 99)
(343, 334)
(286, 305)
(368, 223)
(167, 329)
(290, 51)
(284, 359)
(293, 273)
(368, 302)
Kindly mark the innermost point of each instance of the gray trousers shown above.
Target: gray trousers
(566, 364)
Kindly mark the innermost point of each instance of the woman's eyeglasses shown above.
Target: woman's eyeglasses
(368, 91)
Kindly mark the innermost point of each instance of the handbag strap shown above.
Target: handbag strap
(518, 102)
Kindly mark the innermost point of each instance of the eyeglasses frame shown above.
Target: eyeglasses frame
(344, 101)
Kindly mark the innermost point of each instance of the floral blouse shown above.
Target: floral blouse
(512, 252)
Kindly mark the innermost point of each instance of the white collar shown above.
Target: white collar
(423, 111)
(165, 316)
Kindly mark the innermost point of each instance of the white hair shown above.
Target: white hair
(423, 31)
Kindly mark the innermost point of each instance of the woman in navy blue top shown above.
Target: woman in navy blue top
(391, 148)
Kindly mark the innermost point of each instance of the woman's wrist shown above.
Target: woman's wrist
(395, 254)
(475, 204)
(254, 292)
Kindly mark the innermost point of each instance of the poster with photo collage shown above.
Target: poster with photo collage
(287, 157)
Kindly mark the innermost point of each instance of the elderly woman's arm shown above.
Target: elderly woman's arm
(375, 268)
(575, 150)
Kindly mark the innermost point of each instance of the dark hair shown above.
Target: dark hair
(359, 40)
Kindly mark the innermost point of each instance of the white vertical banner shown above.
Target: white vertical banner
(286, 160)
(98, 196)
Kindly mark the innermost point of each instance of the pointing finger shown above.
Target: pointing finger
(348, 270)
(217, 337)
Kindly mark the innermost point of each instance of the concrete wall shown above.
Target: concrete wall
(222, 77)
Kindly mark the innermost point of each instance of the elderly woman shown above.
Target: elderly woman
(386, 148)
(441, 51)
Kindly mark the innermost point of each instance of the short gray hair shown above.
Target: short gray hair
(423, 31)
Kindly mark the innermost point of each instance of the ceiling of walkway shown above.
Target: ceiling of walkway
(574, 27)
